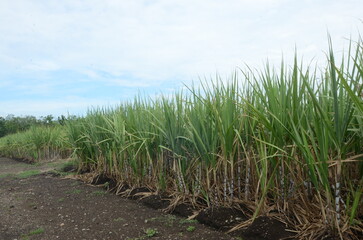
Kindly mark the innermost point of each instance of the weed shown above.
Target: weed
(188, 221)
(190, 228)
(32, 233)
(150, 232)
(120, 219)
(36, 231)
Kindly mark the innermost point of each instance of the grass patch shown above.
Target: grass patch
(148, 233)
(99, 193)
(28, 173)
(151, 232)
(5, 175)
(74, 191)
(188, 221)
(190, 228)
(32, 233)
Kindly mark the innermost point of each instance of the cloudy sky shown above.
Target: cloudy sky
(60, 57)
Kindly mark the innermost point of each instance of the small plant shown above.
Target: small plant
(120, 219)
(36, 231)
(190, 228)
(32, 233)
(150, 232)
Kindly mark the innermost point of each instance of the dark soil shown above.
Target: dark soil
(221, 218)
(155, 202)
(183, 210)
(100, 179)
(266, 228)
(45, 206)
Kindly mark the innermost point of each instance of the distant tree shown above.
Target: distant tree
(12, 124)
(47, 120)
(2, 127)
(62, 120)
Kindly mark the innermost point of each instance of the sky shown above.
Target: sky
(63, 57)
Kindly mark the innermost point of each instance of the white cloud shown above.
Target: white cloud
(127, 83)
(42, 66)
(156, 41)
(56, 107)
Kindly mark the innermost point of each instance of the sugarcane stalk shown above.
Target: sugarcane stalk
(248, 175)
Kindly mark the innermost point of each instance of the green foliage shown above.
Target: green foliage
(37, 143)
(28, 173)
(151, 232)
(74, 191)
(32, 233)
(190, 228)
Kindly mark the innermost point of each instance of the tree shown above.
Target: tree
(2, 127)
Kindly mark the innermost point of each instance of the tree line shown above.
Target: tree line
(13, 124)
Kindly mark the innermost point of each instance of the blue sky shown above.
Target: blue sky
(60, 57)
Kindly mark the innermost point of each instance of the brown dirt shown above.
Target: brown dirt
(63, 208)
(69, 209)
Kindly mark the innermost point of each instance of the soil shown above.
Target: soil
(264, 228)
(36, 203)
(221, 218)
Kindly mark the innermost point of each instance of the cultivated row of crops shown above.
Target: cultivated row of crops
(36, 144)
(287, 140)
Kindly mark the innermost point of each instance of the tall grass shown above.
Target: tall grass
(285, 140)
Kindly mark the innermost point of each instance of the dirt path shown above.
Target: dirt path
(37, 205)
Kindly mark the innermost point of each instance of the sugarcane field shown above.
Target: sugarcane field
(101, 139)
